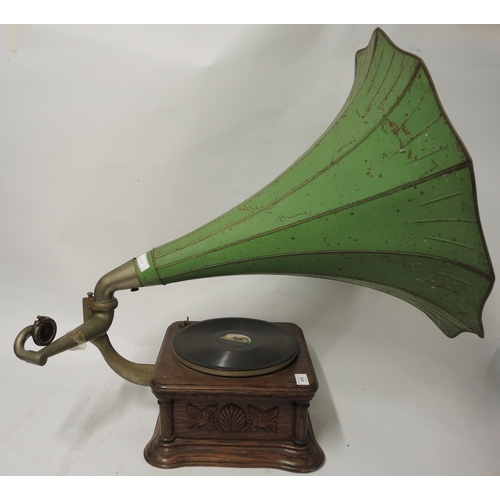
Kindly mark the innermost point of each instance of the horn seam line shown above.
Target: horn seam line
(418, 134)
(450, 242)
(316, 216)
(439, 285)
(441, 198)
(434, 151)
(382, 252)
(401, 69)
(442, 220)
(410, 114)
(297, 254)
(383, 79)
(457, 279)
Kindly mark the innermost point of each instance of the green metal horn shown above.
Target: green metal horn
(385, 199)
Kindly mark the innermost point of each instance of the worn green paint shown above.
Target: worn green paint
(385, 199)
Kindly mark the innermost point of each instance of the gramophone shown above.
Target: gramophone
(385, 198)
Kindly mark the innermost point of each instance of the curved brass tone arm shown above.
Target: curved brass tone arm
(37, 358)
(136, 373)
(98, 318)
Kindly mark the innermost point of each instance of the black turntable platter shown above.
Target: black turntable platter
(235, 347)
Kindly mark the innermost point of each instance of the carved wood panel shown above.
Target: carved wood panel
(232, 418)
(226, 419)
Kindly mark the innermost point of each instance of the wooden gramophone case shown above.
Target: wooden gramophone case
(210, 420)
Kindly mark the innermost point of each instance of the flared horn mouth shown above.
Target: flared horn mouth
(385, 198)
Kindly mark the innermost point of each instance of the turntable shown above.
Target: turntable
(234, 392)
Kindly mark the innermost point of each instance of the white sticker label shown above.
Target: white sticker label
(142, 262)
(301, 379)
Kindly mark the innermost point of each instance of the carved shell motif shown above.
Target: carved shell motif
(232, 418)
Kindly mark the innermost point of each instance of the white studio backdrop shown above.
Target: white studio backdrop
(116, 139)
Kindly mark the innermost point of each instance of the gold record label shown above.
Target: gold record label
(236, 337)
(234, 340)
